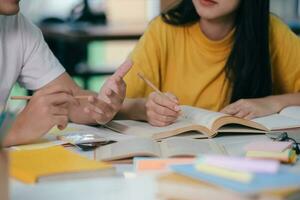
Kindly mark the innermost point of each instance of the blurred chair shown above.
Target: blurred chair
(69, 39)
(71, 53)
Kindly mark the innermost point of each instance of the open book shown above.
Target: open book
(209, 123)
(145, 147)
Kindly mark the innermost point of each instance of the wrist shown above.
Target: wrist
(134, 109)
(277, 102)
(17, 133)
(10, 139)
(140, 112)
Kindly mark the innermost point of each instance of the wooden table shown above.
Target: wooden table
(3, 175)
(132, 187)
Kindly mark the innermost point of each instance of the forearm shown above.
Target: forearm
(133, 109)
(11, 138)
(285, 100)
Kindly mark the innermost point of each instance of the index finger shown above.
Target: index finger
(123, 69)
(230, 109)
(165, 101)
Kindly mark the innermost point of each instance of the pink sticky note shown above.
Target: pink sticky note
(269, 146)
(240, 163)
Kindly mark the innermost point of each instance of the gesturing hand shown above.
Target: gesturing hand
(109, 101)
(162, 110)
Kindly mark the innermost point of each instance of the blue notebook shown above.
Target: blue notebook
(260, 182)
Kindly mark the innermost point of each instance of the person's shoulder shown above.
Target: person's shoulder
(277, 24)
(158, 26)
(159, 23)
(280, 32)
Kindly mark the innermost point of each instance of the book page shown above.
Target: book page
(144, 129)
(277, 122)
(191, 135)
(200, 116)
(292, 112)
(190, 147)
(236, 128)
(128, 149)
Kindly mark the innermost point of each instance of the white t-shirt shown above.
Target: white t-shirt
(24, 56)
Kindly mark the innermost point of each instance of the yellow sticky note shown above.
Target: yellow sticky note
(244, 177)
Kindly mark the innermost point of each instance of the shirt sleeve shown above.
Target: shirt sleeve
(285, 55)
(40, 66)
(146, 60)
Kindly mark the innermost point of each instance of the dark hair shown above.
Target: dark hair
(248, 67)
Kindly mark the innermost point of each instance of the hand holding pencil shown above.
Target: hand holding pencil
(47, 108)
(162, 109)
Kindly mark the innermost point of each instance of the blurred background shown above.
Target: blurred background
(91, 38)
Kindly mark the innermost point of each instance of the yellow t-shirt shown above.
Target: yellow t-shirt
(183, 61)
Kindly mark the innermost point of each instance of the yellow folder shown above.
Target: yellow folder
(54, 163)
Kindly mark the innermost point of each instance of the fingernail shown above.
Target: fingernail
(99, 111)
(60, 127)
(108, 92)
(86, 110)
(177, 108)
(108, 101)
(91, 99)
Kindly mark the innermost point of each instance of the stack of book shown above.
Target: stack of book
(215, 176)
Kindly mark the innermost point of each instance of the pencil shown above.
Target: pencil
(150, 84)
(29, 97)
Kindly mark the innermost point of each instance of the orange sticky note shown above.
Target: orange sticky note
(160, 164)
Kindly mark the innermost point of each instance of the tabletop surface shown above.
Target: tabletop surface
(127, 185)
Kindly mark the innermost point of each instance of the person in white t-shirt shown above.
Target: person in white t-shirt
(25, 58)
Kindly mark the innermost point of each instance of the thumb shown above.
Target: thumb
(61, 122)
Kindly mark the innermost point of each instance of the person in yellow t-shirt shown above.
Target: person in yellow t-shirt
(229, 56)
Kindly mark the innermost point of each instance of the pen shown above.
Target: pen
(29, 97)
